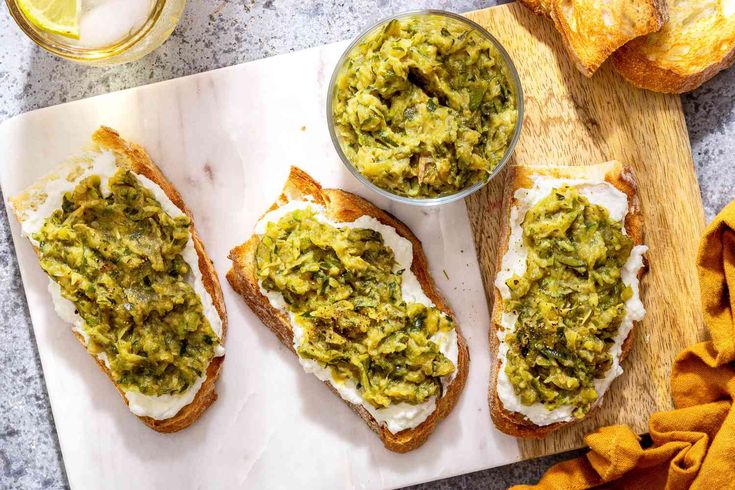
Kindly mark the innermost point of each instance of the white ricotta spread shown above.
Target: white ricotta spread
(602, 194)
(162, 407)
(103, 164)
(399, 416)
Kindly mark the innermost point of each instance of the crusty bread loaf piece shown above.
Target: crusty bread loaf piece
(342, 206)
(622, 178)
(593, 30)
(695, 44)
(134, 158)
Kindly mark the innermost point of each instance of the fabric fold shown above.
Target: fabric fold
(694, 444)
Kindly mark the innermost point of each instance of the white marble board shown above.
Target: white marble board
(226, 139)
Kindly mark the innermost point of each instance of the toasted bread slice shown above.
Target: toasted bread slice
(341, 206)
(134, 158)
(618, 175)
(593, 30)
(695, 44)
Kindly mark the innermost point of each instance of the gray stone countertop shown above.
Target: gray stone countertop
(214, 34)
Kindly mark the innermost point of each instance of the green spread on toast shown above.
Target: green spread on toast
(570, 301)
(344, 294)
(423, 107)
(117, 257)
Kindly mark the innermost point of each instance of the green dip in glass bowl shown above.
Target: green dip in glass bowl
(425, 105)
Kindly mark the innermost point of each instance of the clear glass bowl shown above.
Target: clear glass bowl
(161, 22)
(517, 90)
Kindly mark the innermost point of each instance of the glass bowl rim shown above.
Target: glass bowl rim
(78, 53)
(433, 201)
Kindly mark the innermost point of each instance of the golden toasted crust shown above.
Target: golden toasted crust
(695, 44)
(622, 178)
(540, 7)
(134, 158)
(342, 206)
(593, 30)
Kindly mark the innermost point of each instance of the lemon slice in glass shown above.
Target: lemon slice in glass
(55, 16)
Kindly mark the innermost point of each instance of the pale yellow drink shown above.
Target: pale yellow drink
(109, 31)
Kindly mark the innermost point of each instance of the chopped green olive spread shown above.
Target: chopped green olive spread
(117, 257)
(342, 289)
(423, 107)
(570, 301)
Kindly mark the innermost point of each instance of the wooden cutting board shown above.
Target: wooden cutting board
(572, 120)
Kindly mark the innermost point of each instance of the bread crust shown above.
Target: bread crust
(696, 44)
(343, 206)
(592, 43)
(134, 158)
(638, 70)
(622, 178)
(539, 7)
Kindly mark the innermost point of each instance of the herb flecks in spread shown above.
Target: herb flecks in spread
(341, 286)
(117, 257)
(570, 301)
(424, 107)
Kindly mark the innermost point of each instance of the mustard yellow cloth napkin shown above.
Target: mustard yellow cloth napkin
(693, 445)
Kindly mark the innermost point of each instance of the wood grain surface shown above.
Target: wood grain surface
(572, 120)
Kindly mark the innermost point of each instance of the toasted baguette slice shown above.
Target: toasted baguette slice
(695, 44)
(342, 206)
(514, 423)
(593, 30)
(134, 158)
